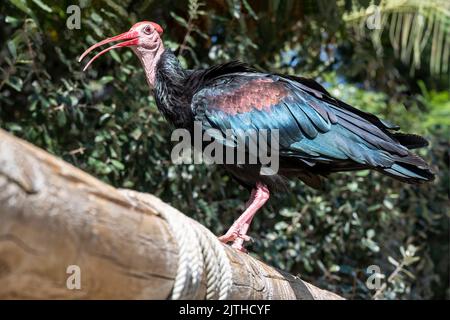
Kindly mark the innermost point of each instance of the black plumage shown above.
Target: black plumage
(319, 134)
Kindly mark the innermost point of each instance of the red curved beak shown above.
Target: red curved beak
(132, 38)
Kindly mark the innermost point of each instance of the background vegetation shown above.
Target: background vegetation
(105, 121)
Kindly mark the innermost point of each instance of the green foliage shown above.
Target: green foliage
(105, 121)
(417, 29)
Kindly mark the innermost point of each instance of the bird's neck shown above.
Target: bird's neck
(149, 60)
(170, 75)
(170, 90)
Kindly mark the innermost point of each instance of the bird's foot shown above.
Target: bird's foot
(237, 237)
(238, 231)
(238, 244)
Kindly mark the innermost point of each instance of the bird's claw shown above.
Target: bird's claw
(228, 237)
(238, 246)
(237, 238)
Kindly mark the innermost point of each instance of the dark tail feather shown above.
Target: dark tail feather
(411, 141)
(410, 169)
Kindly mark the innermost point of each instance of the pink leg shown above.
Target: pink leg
(238, 231)
(252, 198)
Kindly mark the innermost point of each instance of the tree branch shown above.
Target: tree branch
(53, 216)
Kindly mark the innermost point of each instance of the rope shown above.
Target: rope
(199, 253)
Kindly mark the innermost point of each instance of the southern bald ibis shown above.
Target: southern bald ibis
(318, 134)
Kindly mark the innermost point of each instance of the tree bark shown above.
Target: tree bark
(57, 222)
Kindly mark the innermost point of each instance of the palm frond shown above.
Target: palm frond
(418, 30)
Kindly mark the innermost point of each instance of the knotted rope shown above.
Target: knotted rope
(199, 253)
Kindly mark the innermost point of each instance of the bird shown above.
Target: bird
(318, 134)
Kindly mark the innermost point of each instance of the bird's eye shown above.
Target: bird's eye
(147, 30)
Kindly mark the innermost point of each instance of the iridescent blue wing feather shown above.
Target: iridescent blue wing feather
(314, 128)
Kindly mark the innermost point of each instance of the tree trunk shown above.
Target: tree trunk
(66, 235)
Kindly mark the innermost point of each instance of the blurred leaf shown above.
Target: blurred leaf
(117, 164)
(22, 5)
(393, 261)
(179, 19)
(15, 83)
(43, 6)
(12, 49)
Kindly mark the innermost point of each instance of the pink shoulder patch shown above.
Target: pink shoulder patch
(258, 94)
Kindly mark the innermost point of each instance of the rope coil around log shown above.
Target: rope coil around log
(200, 253)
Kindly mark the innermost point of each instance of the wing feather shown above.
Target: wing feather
(313, 126)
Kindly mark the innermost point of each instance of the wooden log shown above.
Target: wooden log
(57, 222)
